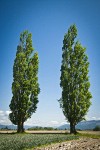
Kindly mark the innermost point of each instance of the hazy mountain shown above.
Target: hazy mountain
(84, 125)
(12, 127)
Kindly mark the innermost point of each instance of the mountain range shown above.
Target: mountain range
(84, 125)
(12, 127)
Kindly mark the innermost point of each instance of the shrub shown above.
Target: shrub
(97, 128)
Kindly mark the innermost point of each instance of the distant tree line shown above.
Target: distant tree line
(42, 128)
(97, 128)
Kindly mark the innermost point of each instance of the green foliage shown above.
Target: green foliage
(25, 87)
(75, 100)
(97, 128)
(41, 128)
(22, 141)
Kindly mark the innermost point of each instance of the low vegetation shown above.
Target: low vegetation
(42, 128)
(26, 141)
(97, 128)
(89, 135)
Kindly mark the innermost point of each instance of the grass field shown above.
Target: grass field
(89, 134)
(32, 139)
(13, 141)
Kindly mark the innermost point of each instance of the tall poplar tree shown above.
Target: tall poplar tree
(25, 87)
(75, 99)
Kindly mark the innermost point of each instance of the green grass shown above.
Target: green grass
(88, 135)
(26, 141)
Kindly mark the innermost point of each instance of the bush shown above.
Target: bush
(97, 128)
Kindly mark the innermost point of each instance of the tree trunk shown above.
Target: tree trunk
(72, 128)
(20, 127)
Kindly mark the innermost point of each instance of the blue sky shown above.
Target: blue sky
(48, 21)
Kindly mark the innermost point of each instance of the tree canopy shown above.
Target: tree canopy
(74, 80)
(25, 86)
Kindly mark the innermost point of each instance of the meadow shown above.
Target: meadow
(12, 141)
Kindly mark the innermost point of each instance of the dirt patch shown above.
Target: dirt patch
(81, 144)
(36, 132)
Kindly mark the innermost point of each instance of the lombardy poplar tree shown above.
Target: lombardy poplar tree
(74, 80)
(25, 87)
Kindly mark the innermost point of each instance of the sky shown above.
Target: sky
(48, 21)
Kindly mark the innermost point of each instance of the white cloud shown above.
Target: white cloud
(7, 112)
(64, 122)
(92, 118)
(31, 122)
(54, 122)
(1, 113)
(44, 123)
(1, 121)
(4, 117)
(95, 118)
(34, 122)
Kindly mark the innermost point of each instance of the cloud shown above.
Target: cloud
(37, 122)
(50, 123)
(95, 118)
(7, 112)
(64, 122)
(4, 119)
(54, 122)
(32, 122)
(1, 113)
(92, 118)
